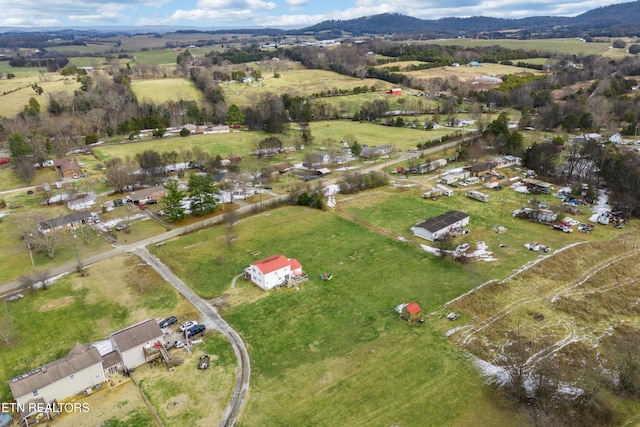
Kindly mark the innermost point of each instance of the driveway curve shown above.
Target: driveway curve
(214, 321)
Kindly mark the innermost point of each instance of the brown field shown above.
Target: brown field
(568, 301)
(464, 73)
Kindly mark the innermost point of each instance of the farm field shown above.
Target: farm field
(15, 93)
(162, 90)
(296, 83)
(572, 309)
(566, 46)
(375, 135)
(472, 73)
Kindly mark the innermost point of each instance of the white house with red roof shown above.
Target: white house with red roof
(273, 271)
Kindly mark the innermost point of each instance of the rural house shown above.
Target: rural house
(146, 194)
(132, 341)
(433, 229)
(273, 271)
(72, 220)
(79, 370)
(67, 167)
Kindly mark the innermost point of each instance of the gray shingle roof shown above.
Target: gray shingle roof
(443, 221)
(137, 334)
(80, 357)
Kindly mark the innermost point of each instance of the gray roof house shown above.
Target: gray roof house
(131, 342)
(434, 228)
(58, 380)
(72, 220)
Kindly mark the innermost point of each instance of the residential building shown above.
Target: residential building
(433, 229)
(273, 271)
(133, 342)
(79, 370)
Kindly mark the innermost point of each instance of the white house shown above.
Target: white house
(435, 228)
(79, 370)
(273, 271)
(132, 341)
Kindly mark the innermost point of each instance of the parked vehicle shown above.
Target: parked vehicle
(195, 330)
(152, 202)
(120, 227)
(188, 325)
(168, 321)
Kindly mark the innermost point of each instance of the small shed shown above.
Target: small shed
(411, 312)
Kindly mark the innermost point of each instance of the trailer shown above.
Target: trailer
(477, 195)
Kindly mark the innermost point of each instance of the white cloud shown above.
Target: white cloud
(297, 3)
(222, 5)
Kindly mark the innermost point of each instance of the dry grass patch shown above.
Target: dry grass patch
(188, 396)
(60, 302)
(105, 404)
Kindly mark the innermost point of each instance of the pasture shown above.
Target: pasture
(15, 93)
(567, 46)
(295, 82)
(464, 73)
(160, 91)
(337, 350)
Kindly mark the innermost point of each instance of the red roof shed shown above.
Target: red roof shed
(411, 311)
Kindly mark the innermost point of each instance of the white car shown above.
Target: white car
(187, 325)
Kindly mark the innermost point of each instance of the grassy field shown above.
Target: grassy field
(296, 83)
(15, 93)
(563, 46)
(332, 350)
(189, 396)
(163, 90)
(470, 73)
(375, 135)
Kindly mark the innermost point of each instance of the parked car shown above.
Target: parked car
(188, 325)
(195, 330)
(203, 363)
(168, 322)
(152, 202)
(120, 227)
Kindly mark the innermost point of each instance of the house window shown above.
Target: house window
(113, 370)
(35, 393)
(72, 377)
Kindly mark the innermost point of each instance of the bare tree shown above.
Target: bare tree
(229, 220)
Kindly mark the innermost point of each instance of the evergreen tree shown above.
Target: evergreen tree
(202, 189)
(172, 207)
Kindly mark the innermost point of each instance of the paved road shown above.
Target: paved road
(214, 321)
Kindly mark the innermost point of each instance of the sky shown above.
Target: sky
(220, 14)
